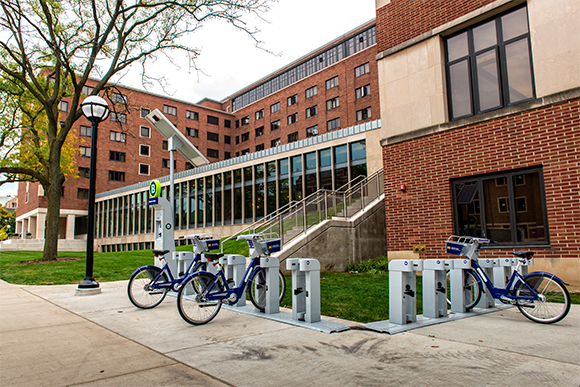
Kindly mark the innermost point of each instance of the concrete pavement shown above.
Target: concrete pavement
(50, 337)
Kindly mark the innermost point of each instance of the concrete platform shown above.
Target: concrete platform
(50, 337)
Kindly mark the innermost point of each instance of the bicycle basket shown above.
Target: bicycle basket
(270, 245)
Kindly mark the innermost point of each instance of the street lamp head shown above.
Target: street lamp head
(95, 108)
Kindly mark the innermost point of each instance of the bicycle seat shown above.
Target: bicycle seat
(523, 254)
(158, 253)
(213, 256)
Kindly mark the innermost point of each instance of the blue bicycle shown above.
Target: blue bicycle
(149, 284)
(541, 297)
(202, 294)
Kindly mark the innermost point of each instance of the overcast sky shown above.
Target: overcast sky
(230, 61)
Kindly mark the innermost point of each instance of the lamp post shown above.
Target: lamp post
(95, 109)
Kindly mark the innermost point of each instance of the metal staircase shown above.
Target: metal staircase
(297, 217)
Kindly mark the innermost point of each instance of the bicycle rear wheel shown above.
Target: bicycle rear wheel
(141, 289)
(554, 300)
(470, 284)
(192, 302)
(258, 287)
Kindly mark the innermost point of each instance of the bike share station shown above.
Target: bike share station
(403, 290)
(305, 288)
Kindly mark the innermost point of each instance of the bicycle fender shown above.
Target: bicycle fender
(146, 267)
(548, 274)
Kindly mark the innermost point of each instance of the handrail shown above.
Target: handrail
(322, 200)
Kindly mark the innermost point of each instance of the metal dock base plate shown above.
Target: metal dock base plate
(286, 317)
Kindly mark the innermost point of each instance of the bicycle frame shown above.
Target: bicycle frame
(228, 292)
(173, 282)
(497, 293)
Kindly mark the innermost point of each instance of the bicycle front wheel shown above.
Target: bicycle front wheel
(141, 289)
(471, 286)
(192, 302)
(553, 303)
(258, 287)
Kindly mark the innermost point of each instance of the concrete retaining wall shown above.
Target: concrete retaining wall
(338, 242)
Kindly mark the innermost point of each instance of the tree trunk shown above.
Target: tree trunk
(53, 193)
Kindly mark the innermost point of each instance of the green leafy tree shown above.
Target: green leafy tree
(50, 48)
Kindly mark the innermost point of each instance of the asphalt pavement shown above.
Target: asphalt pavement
(50, 337)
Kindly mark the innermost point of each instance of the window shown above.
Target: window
(144, 150)
(227, 124)
(191, 115)
(260, 114)
(275, 125)
(259, 147)
(246, 120)
(245, 152)
(85, 152)
(293, 137)
(332, 83)
(145, 131)
(227, 155)
(119, 117)
(275, 142)
(310, 92)
(82, 193)
(63, 106)
(213, 153)
(332, 103)
(213, 137)
(117, 136)
(116, 176)
(84, 172)
(191, 132)
(245, 136)
(489, 66)
(165, 163)
(213, 120)
(145, 112)
(363, 114)
(361, 70)
(275, 107)
(362, 91)
(144, 169)
(484, 208)
(259, 131)
(237, 140)
(117, 156)
(86, 131)
(333, 124)
(312, 131)
(227, 139)
(188, 166)
(292, 118)
(171, 110)
(292, 100)
(165, 145)
(311, 111)
(118, 98)
(87, 90)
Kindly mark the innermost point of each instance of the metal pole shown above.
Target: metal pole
(89, 281)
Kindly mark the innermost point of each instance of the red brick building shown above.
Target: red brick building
(330, 88)
(480, 109)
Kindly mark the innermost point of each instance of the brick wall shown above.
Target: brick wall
(349, 105)
(401, 20)
(548, 136)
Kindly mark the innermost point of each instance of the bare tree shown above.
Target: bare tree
(50, 48)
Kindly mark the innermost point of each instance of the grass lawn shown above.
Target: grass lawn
(362, 297)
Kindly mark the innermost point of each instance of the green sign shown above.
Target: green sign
(154, 189)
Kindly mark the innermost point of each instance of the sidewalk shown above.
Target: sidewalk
(49, 337)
